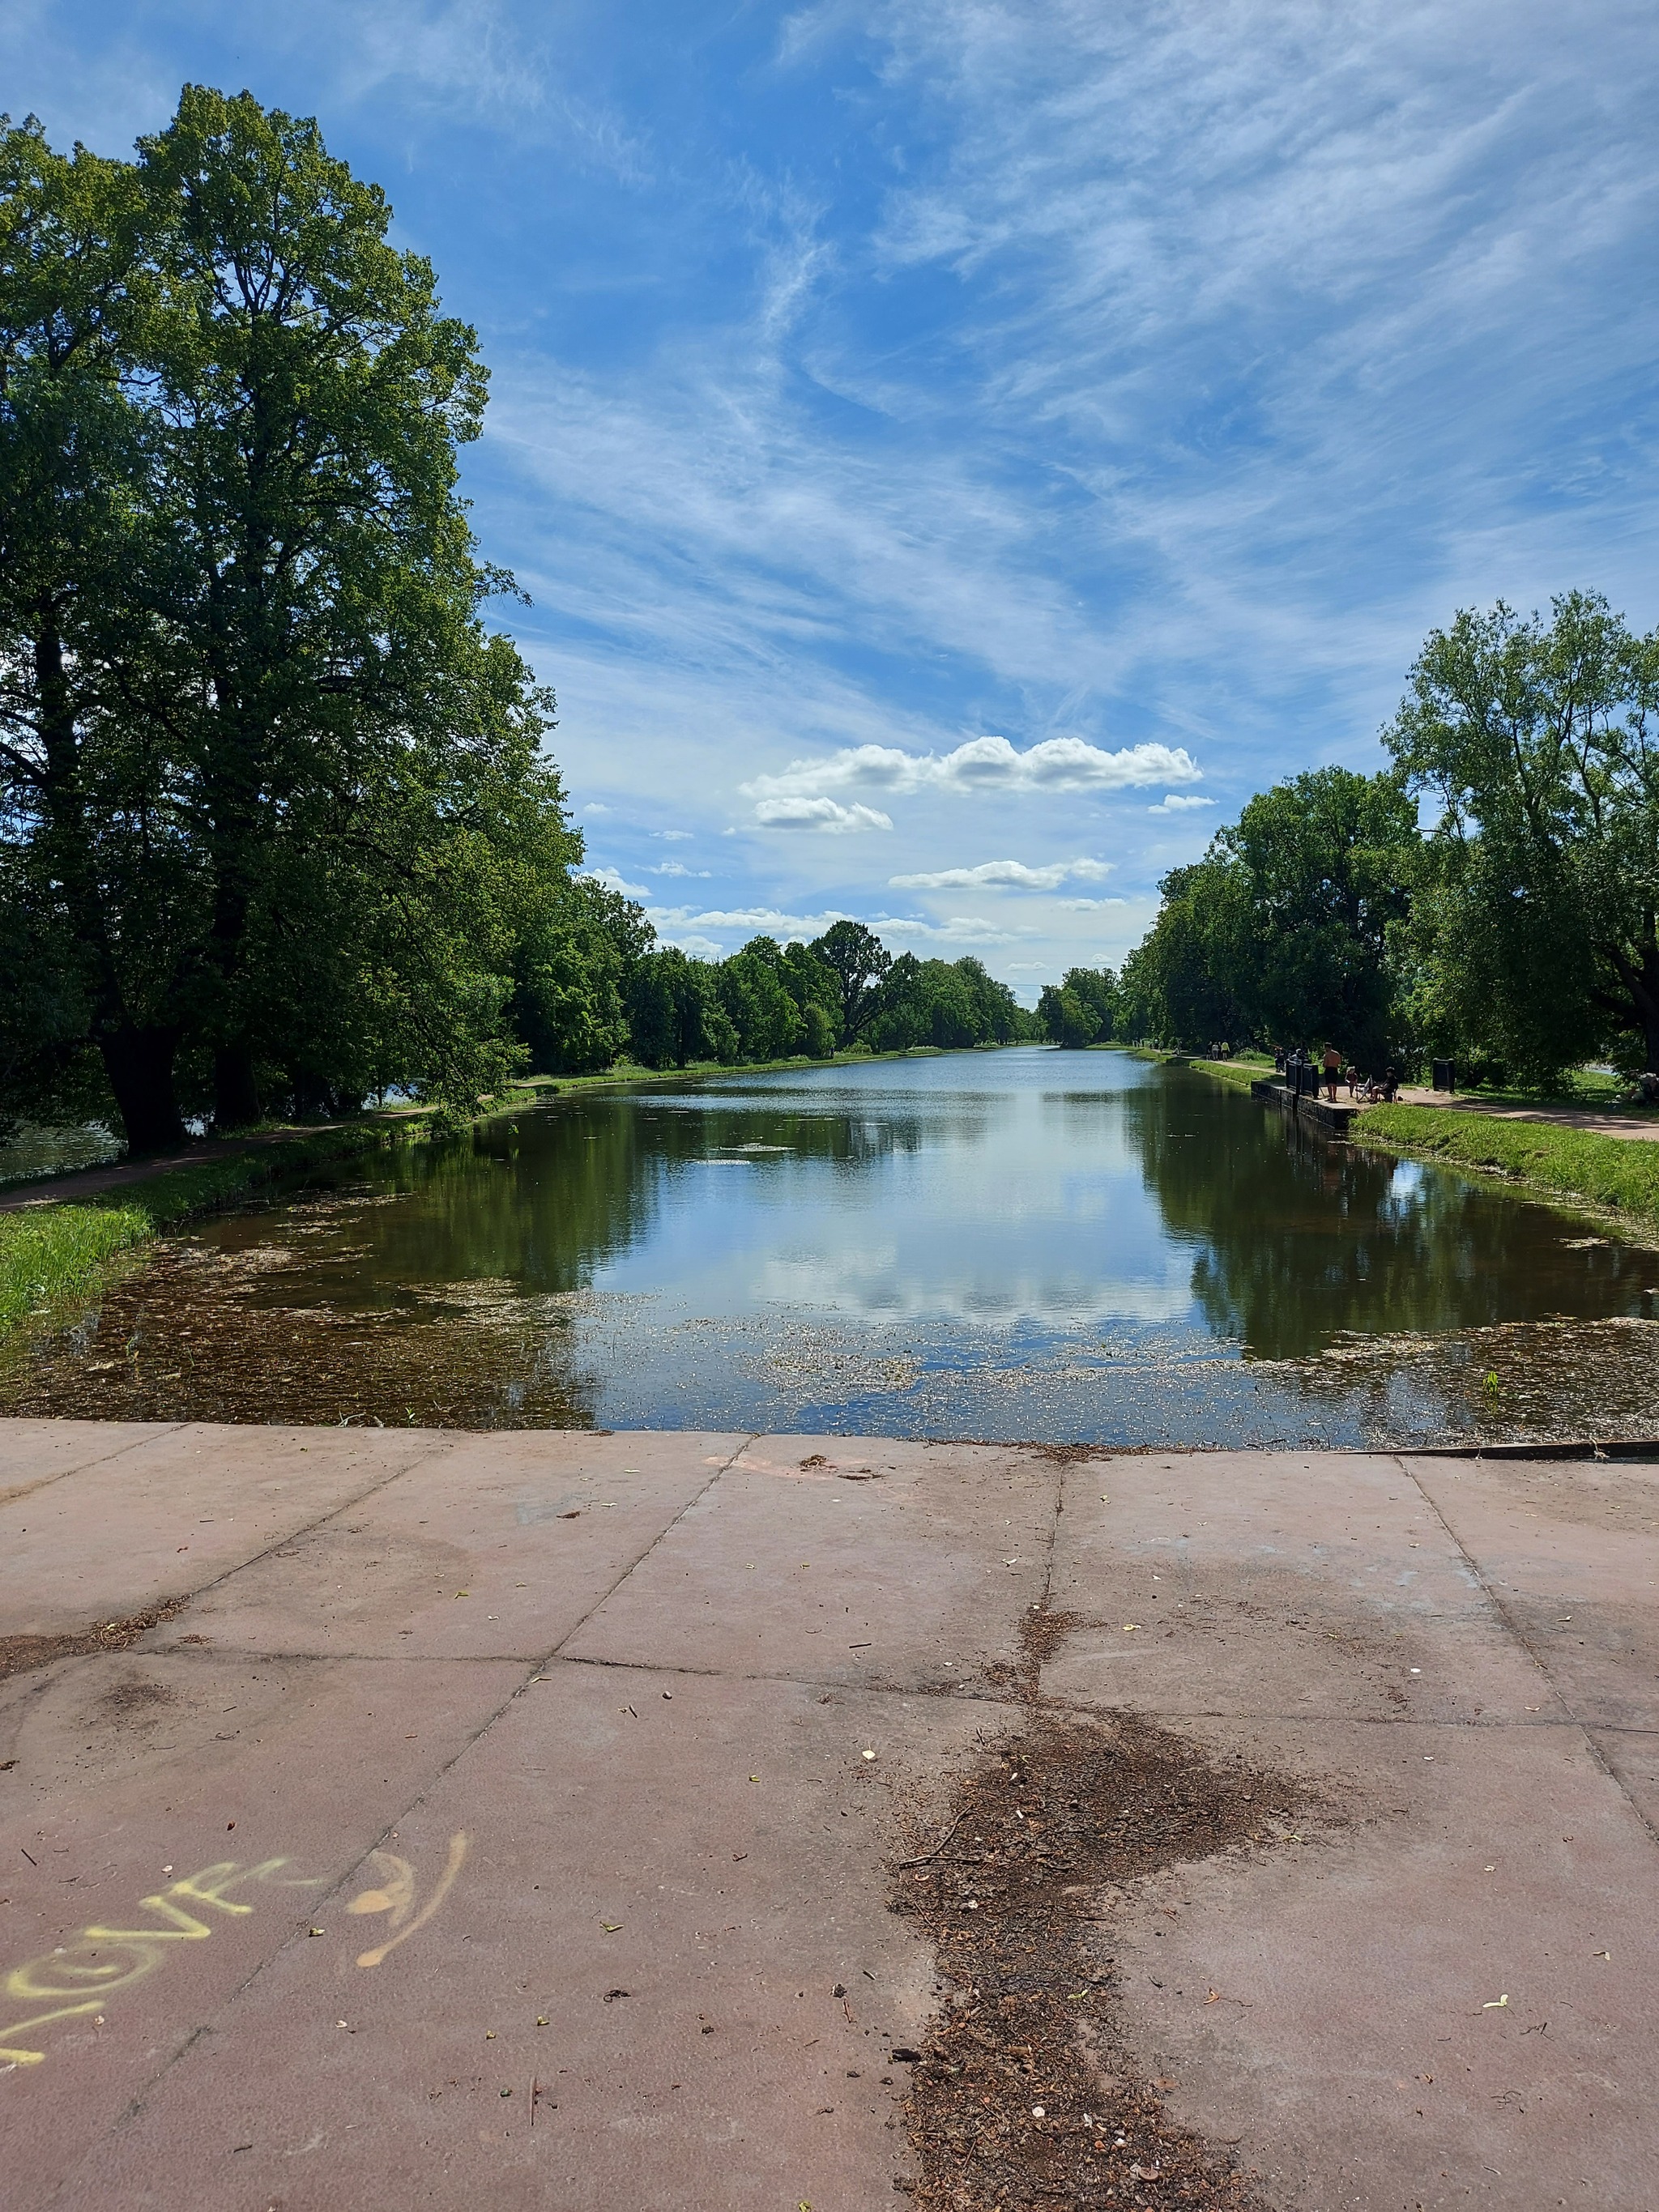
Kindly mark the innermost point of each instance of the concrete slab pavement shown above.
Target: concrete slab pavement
(186, 1504)
(524, 1821)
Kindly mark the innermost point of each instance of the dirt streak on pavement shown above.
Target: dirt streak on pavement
(646, 1820)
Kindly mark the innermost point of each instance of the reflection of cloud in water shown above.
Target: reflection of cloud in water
(963, 1246)
(876, 1285)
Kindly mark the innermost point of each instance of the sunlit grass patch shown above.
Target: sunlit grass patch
(1620, 1173)
(50, 1252)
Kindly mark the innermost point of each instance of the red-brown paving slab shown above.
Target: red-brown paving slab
(1570, 1552)
(1414, 2008)
(1299, 2002)
(614, 1841)
(1241, 1582)
(714, 1863)
(171, 1511)
(137, 1772)
(35, 1453)
(502, 1546)
(879, 1563)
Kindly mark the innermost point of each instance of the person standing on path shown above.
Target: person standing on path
(1332, 1070)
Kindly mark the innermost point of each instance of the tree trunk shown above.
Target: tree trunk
(236, 1094)
(139, 1065)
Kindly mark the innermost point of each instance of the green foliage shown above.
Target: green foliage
(754, 988)
(1533, 939)
(1314, 878)
(946, 1004)
(1283, 932)
(49, 1252)
(1081, 1010)
(859, 961)
(1175, 988)
(1620, 1173)
(273, 813)
(574, 966)
(675, 1014)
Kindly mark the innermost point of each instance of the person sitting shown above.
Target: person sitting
(1390, 1087)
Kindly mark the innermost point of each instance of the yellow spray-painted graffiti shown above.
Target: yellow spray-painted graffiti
(397, 1896)
(77, 1978)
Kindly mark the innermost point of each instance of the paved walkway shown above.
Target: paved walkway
(82, 1183)
(496, 1823)
(1589, 1118)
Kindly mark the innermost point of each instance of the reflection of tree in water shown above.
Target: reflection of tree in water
(587, 1183)
(442, 1288)
(1302, 1240)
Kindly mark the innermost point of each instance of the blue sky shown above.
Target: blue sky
(959, 449)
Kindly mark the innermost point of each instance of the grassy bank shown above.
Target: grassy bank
(1617, 1173)
(1242, 1072)
(54, 1252)
(62, 1250)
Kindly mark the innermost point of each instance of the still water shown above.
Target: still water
(1020, 1244)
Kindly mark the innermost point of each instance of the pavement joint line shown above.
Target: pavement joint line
(940, 1693)
(98, 1459)
(135, 2103)
(1528, 1644)
(671, 1523)
(442, 1450)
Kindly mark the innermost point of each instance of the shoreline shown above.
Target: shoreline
(1613, 1180)
(60, 1236)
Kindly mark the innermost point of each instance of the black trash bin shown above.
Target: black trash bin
(1445, 1075)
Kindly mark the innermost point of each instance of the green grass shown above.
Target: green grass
(46, 1256)
(52, 1253)
(1243, 1069)
(1621, 1174)
(1241, 1074)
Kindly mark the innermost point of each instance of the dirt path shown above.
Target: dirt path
(1591, 1119)
(120, 1175)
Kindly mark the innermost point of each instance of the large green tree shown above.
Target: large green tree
(1298, 907)
(1538, 926)
(859, 961)
(271, 794)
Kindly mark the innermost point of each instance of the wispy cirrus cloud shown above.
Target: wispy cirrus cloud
(1005, 875)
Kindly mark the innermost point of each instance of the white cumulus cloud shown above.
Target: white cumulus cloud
(804, 812)
(980, 765)
(1010, 875)
(1174, 802)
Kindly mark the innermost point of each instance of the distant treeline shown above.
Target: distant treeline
(605, 990)
(1492, 898)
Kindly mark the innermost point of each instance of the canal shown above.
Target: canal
(1070, 1247)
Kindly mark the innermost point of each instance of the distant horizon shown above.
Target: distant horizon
(958, 452)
